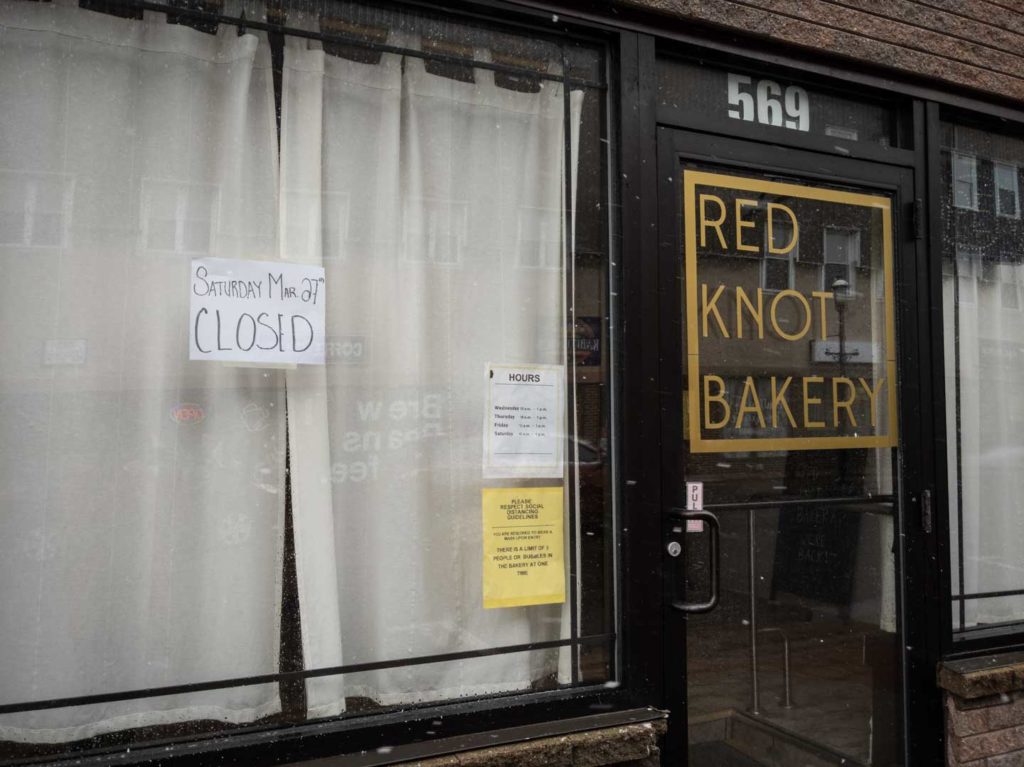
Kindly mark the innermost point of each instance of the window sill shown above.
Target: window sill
(983, 676)
(631, 740)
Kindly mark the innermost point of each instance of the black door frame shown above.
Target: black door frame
(725, 152)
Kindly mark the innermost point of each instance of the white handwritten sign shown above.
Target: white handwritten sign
(523, 428)
(256, 311)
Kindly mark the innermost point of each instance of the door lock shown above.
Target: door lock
(681, 519)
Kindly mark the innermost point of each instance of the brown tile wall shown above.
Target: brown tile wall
(631, 745)
(634, 745)
(985, 732)
(976, 44)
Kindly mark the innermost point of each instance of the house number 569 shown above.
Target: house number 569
(768, 103)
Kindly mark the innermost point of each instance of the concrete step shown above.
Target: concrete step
(771, 746)
(719, 754)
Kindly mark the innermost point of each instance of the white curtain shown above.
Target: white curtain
(436, 207)
(984, 333)
(142, 495)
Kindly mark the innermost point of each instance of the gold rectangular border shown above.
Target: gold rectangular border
(691, 180)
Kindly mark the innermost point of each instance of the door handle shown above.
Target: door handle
(713, 560)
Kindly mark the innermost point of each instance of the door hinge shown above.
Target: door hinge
(917, 218)
(927, 512)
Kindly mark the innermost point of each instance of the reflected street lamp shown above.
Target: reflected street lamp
(841, 295)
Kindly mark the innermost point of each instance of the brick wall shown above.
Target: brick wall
(985, 732)
(984, 711)
(975, 44)
(630, 745)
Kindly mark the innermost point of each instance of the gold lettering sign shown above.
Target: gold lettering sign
(790, 330)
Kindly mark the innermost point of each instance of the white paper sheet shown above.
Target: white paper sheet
(524, 422)
(256, 311)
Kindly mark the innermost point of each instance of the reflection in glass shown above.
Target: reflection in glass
(983, 276)
(168, 522)
(805, 638)
(965, 181)
(1007, 203)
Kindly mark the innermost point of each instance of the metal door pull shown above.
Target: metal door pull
(712, 522)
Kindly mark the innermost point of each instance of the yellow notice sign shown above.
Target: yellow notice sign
(524, 559)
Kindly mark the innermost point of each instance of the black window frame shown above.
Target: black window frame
(926, 571)
(922, 701)
(997, 639)
(632, 39)
(426, 730)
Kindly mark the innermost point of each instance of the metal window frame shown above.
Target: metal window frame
(921, 701)
(949, 604)
(633, 38)
(927, 566)
(447, 727)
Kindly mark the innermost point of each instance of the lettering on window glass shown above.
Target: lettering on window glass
(794, 365)
(378, 427)
(840, 131)
(347, 350)
(768, 103)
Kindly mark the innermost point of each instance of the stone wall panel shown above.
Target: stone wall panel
(977, 46)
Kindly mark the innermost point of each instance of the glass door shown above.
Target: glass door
(782, 432)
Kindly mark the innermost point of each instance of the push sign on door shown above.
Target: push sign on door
(694, 502)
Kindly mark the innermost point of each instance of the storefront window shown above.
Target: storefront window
(370, 508)
(984, 359)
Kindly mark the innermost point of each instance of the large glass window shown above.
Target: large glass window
(792, 429)
(371, 518)
(984, 360)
